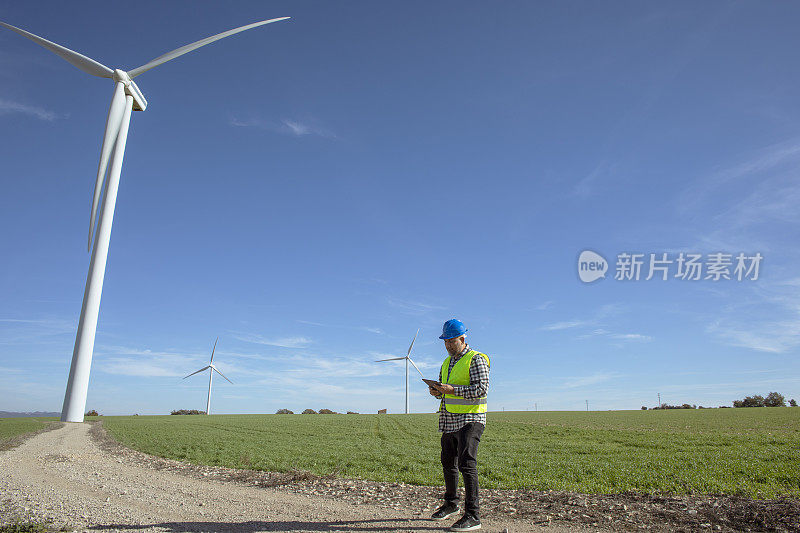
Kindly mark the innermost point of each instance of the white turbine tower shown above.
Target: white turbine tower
(127, 97)
(211, 369)
(408, 360)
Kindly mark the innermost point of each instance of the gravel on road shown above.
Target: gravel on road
(78, 479)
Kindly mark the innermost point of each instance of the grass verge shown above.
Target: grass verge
(15, 431)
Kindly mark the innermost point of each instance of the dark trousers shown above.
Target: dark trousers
(459, 454)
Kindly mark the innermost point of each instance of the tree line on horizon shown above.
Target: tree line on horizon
(773, 399)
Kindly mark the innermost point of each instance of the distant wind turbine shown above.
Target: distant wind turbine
(211, 369)
(127, 97)
(408, 360)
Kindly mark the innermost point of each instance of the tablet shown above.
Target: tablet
(432, 383)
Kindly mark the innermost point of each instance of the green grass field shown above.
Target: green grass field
(14, 427)
(751, 452)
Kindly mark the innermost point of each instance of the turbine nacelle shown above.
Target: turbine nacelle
(139, 101)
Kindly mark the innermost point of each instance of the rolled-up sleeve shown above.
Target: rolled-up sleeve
(478, 379)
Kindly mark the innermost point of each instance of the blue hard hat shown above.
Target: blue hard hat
(453, 328)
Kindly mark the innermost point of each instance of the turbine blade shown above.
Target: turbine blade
(193, 373)
(221, 374)
(412, 343)
(195, 45)
(415, 366)
(214, 348)
(86, 64)
(113, 123)
(392, 359)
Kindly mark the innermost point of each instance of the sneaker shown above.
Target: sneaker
(444, 512)
(466, 523)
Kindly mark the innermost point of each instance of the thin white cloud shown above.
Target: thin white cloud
(777, 337)
(567, 324)
(777, 201)
(43, 322)
(146, 352)
(762, 221)
(585, 381)
(602, 312)
(413, 307)
(377, 331)
(249, 123)
(282, 342)
(586, 186)
(8, 107)
(312, 323)
(373, 281)
(251, 356)
(778, 158)
(609, 310)
(766, 321)
(286, 126)
(631, 336)
(600, 332)
(33, 331)
(748, 206)
(133, 367)
(544, 306)
(766, 159)
(299, 129)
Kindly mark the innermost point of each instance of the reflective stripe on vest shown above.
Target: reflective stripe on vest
(460, 376)
(462, 401)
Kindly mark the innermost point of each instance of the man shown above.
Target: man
(462, 417)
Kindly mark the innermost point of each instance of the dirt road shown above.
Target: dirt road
(71, 478)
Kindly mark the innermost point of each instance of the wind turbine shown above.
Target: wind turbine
(127, 97)
(211, 369)
(408, 360)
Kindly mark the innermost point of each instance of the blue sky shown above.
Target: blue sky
(315, 190)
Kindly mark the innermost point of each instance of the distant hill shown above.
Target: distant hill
(10, 414)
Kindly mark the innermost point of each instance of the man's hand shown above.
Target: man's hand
(447, 389)
(435, 393)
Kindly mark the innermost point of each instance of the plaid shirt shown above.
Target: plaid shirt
(478, 387)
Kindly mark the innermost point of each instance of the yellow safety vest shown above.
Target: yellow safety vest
(460, 376)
